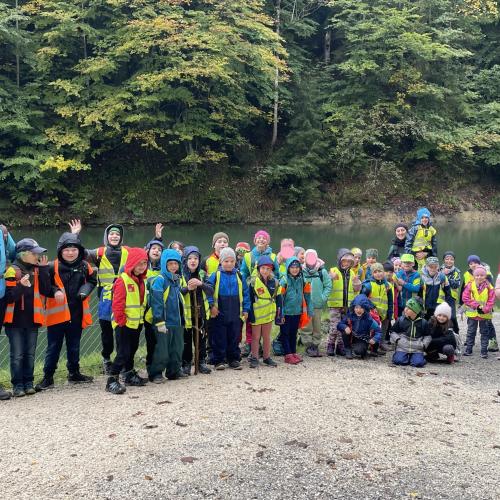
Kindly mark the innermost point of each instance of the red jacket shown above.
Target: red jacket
(135, 255)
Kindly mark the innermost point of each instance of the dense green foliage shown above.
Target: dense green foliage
(372, 88)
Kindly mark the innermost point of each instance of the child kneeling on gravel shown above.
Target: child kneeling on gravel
(359, 330)
(229, 307)
(411, 335)
(129, 299)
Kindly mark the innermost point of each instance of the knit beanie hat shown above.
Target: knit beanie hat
(388, 266)
(401, 224)
(396, 260)
(480, 271)
(216, 236)
(377, 266)
(297, 250)
(357, 251)
(226, 253)
(408, 257)
(263, 234)
(473, 258)
(242, 247)
(415, 304)
(115, 229)
(432, 260)
(311, 258)
(372, 252)
(449, 253)
(443, 309)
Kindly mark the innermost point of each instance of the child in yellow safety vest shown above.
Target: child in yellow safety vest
(365, 272)
(129, 299)
(421, 240)
(266, 300)
(27, 281)
(220, 240)
(454, 277)
(479, 298)
(345, 286)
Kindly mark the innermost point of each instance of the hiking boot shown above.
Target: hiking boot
(4, 395)
(220, 366)
(246, 351)
(291, 359)
(187, 369)
(132, 378)
(235, 365)
(348, 354)
(177, 376)
(270, 362)
(79, 378)
(18, 392)
(106, 366)
(114, 387)
(46, 383)
(493, 345)
(330, 350)
(29, 390)
(484, 355)
(254, 362)
(203, 368)
(158, 379)
(468, 351)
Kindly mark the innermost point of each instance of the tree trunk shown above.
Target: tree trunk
(328, 46)
(276, 82)
(18, 65)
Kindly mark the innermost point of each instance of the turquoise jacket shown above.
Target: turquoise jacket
(321, 285)
(292, 297)
(7, 252)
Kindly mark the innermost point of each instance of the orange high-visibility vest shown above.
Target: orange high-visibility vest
(38, 308)
(60, 313)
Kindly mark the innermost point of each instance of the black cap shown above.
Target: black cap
(29, 245)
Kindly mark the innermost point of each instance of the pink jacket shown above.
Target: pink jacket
(469, 301)
(497, 287)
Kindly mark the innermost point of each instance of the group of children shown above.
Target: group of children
(198, 311)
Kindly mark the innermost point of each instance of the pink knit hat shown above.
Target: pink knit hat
(263, 234)
(480, 271)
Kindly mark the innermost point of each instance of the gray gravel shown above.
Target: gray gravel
(328, 428)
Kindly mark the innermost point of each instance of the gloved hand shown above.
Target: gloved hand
(162, 328)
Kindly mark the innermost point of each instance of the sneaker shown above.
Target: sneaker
(79, 378)
(254, 362)
(246, 351)
(297, 357)
(46, 383)
(158, 379)
(468, 352)
(114, 387)
(484, 355)
(29, 390)
(348, 354)
(203, 368)
(291, 359)
(220, 366)
(18, 392)
(187, 369)
(270, 362)
(312, 351)
(133, 379)
(493, 345)
(235, 365)
(4, 395)
(106, 366)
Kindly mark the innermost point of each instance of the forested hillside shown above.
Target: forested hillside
(135, 107)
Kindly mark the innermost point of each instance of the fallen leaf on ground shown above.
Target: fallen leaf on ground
(166, 402)
(351, 456)
(112, 436)
(138, 413)
(345, 440)
(259, 408)
(148, 478)
(378, 403)
(188, 460)
(259, 454)
(150, 426)
(293, 442)
(180, 424)
(109, 478)
(420, 374)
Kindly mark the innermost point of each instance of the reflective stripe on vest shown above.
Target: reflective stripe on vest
(336, 298)
(106, 273)
(189, 320)
(38, 307)
(59, 313)
(264, 307)
(134, 310)
(423, 239)
(379, 298)
(482, 299)
(251, 263)
(240, 292)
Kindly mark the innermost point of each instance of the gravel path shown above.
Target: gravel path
(328, 428)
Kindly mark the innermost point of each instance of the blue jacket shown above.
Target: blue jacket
(7, 252)
(412, 232)
(292, 297)
(408, 288)
(170, 311)
(254, 257)
(361, 326)
(229, 300)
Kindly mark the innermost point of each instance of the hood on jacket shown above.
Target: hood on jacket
(422, 212)
(70, 240)
(167, 255)
(343, 252)
(152, 242)
(106, 232)
(135, 255)
(187, 252)
(363, 301)
(290, 261)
